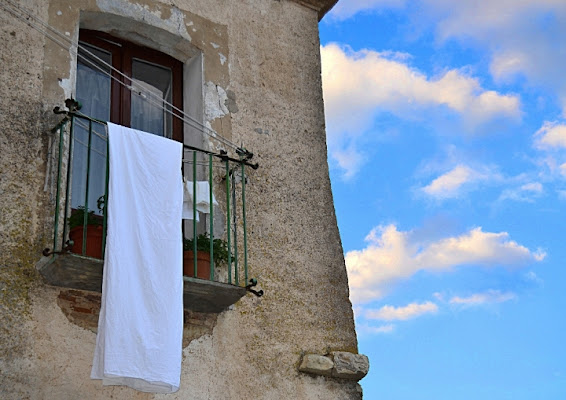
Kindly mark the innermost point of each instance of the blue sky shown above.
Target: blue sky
(446, 125)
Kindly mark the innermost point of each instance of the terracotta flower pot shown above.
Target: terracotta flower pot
(203, 264)
(93, 240)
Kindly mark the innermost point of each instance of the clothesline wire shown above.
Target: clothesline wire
(185, 118)
(159, 103)
(222, 155)
(86, 127)
(215, 163)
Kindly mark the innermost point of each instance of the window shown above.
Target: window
(146, 70)
(155, 80)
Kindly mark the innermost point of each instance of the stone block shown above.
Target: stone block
(316, 364)
(349, 366)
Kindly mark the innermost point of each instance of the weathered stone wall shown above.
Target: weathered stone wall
(22, 200)
(271, 74)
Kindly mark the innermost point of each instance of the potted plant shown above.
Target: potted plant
(220, 254)
(93, 232)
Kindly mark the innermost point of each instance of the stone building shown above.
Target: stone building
(245, 78)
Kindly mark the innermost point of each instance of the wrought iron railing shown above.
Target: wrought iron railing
(82, 177)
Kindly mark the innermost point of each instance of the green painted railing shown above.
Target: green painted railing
(76, 167)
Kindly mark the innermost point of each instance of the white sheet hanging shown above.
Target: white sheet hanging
(202, 198)
(139, 341)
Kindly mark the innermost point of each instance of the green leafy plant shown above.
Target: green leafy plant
(219, 246)
(77, 218)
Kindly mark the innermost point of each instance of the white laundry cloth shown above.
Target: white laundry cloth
(188, 211)
(140, 328)
(202, 198)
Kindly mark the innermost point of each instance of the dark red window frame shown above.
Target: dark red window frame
(123, 53)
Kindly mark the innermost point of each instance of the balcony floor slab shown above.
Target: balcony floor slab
(84, 273)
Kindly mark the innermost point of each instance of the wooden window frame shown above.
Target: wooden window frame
(123, 52)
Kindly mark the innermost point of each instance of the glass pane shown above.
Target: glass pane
(148, 111)
(93, 92)
(93, 82)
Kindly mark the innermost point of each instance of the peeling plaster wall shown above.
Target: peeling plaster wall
(261, 87)
(215, 99)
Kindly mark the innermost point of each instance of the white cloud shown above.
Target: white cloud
(410, 311)
(392, 255)
(438, 296)
(525, 193)
(447, 185)
(359, 85)
(534, 187)
(451, 184)
(504, 66)
(347, 9)
(550, 136)
(485, 19)
(525, 37)
(533, 277)
(383, 329)
(463, 17)
(369, 79)
(489, 297)
(551, 140)
(349, 160)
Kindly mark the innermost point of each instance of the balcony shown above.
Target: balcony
(215, 256)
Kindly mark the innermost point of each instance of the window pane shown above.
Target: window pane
(148, 111)
(93, 82)
(93, 92)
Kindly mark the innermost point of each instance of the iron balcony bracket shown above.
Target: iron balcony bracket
(68, 244)
(253, 282)
(72, 106)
